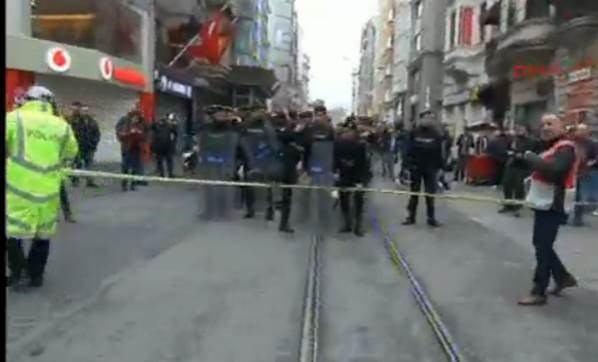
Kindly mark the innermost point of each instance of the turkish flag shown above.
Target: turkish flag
(216, 36)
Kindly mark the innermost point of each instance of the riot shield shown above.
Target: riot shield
(218, 162)
(321, 172)
(263, 163)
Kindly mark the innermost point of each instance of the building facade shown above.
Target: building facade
(284, 54)
(402, 49)
(99, 53)
(367, 70)
(426, 58)
(464, 73)
(383, 97)
(543, 59)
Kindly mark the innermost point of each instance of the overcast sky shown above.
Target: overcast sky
(332, 32)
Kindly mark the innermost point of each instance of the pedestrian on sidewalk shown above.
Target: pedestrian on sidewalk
(586, 180)
(516, 169)
(88, 135)
(131, 133)
(554, 175)
(465, 148)
(164, 139)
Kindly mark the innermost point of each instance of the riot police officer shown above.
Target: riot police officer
(261, 157)
(292, 150)
(219, 152)
(351, 167)
(424, 159)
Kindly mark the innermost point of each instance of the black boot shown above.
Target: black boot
(16, 261)
(250, 214)
(36, 262)
(270, 214)
(284, 228)
(433, 223)
(358, 231)
(347, 227)
(409, 221)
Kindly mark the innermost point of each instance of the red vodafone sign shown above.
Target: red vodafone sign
(106, 68)
(58, 59)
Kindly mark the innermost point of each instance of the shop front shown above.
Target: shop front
(109, 86)
(174, 94)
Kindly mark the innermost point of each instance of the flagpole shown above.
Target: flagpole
(180, 54)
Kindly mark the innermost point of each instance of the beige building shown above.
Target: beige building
(383, 96)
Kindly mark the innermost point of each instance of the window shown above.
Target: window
(419, 9)
(466, 26)
(537, 9)
(109, 26)
(453, 30)
(418, 42)
(483, 11)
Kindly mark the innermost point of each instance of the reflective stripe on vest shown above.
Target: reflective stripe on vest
(18, 223)
(20, 158)
(29, 196)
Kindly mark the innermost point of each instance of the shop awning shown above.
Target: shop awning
(254, 76)
(492, 16)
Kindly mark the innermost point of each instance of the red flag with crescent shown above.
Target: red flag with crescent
(216, 36)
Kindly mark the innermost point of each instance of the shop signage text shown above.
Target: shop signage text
(531, 71)
(106, 68)
(168, 85)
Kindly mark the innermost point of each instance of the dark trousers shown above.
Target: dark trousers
(83, 161)
(161, 158)
(249, 195)
(429, 179)
(65, 204)
(289, 178)
(355, 218)
(514, 186)
(34, 264)
(131, 164)
(546, 228)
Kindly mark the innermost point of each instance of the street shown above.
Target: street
(141, 278)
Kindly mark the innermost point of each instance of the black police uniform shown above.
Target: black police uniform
(424, 160)
(351, 164)
(292, 150)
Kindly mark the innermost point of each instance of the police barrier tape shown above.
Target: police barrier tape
(204, 182)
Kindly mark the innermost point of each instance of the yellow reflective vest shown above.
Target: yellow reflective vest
(38, 146)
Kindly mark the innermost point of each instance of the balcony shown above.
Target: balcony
(528, 42)
(577, 32)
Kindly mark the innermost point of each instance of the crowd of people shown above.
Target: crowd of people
(250, 144)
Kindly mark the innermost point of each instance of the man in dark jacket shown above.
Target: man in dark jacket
(424, 160)
(516, 169)
(164, 140)
(555, 170)
(88, 135)
(352, 169)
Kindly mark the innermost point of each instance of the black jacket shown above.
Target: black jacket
(164, 136)
(87, 133)
(351, 162)
(316, 133)
(424, 149)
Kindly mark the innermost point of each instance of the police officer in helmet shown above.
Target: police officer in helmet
(424, 159)
(38, 144)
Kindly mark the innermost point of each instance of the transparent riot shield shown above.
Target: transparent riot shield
(320, 201)
(218, 162)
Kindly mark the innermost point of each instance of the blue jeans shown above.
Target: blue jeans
(548, 263)
(131, 164)
(587, 191)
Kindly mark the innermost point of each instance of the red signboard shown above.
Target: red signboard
(130, 76)
(466, 26)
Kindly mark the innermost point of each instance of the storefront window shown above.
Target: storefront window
(110, 26)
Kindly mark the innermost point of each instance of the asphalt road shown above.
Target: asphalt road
(141, 278)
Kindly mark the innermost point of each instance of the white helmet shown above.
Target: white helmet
(39, 93)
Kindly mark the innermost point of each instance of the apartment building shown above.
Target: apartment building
(367, 70)
(426, 58)
(543, 59)
(464, 52)
(402, 49)
(383, 97)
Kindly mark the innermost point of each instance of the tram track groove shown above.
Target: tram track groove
(309, 342)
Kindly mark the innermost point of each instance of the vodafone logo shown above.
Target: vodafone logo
(106, 68)
(58, 59)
